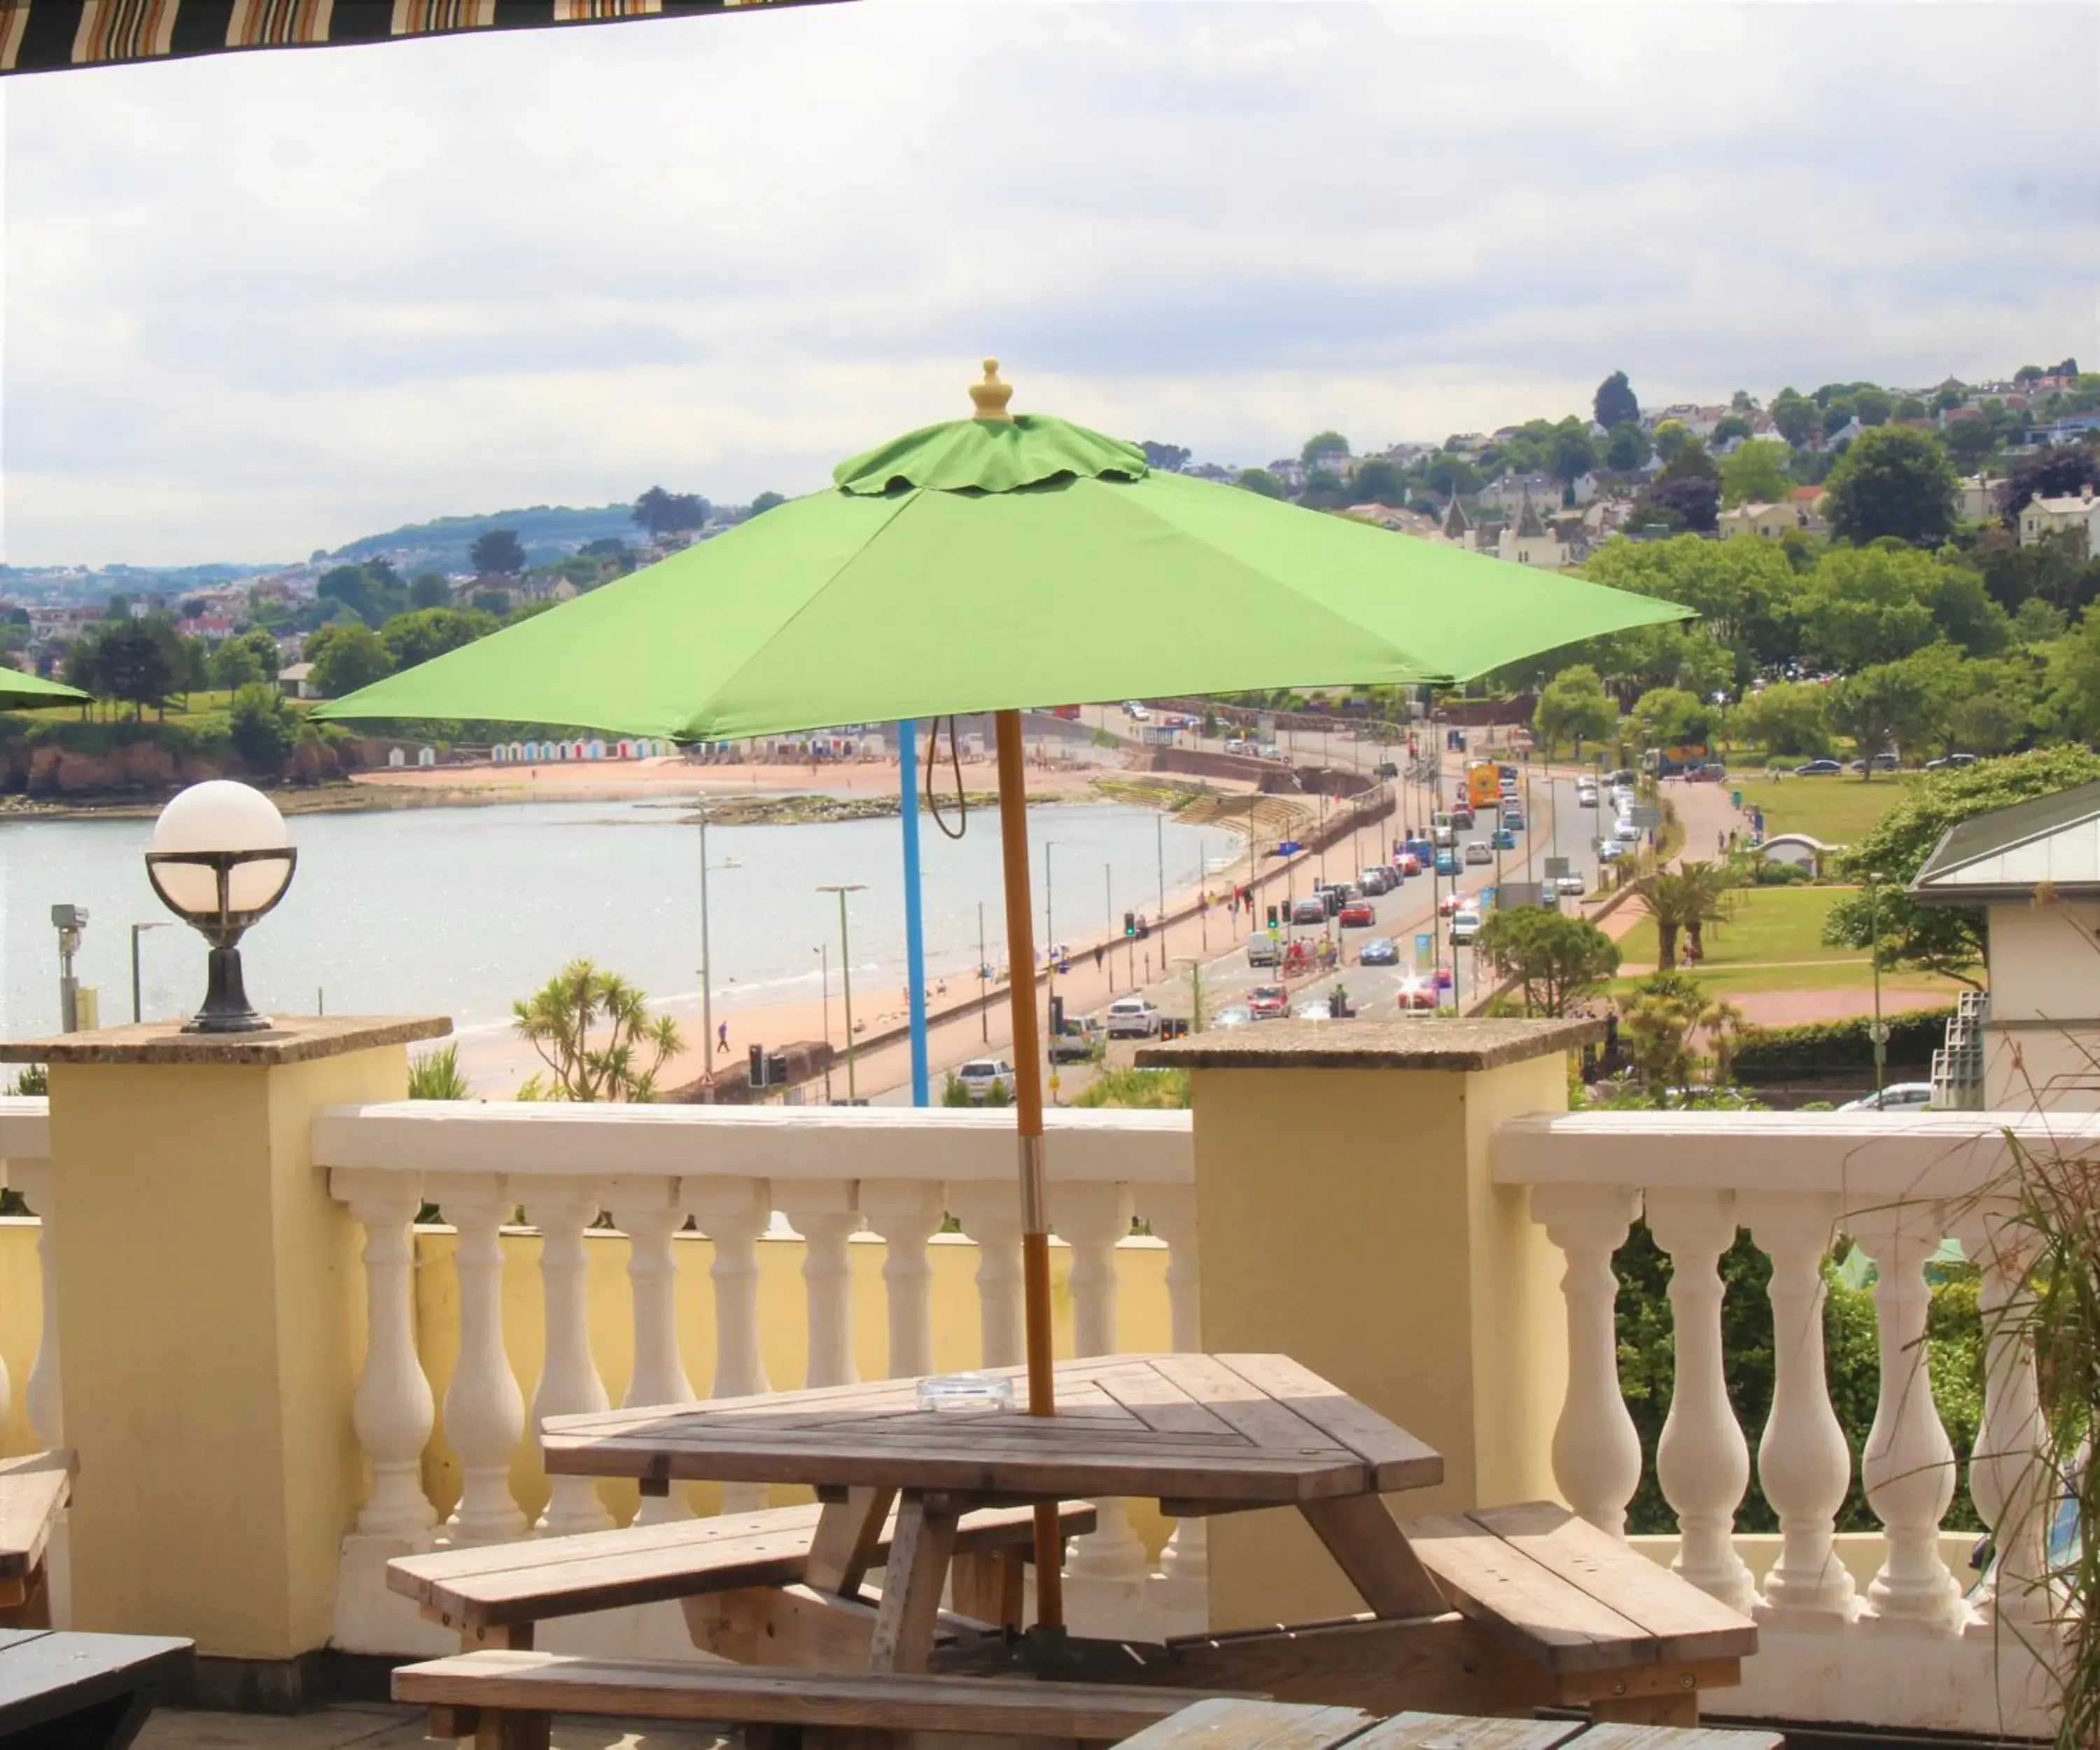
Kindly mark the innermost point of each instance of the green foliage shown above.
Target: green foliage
(1883, 708)
(429, 589)
(1790, 718)
(264, 728)
(560, 1021)
(1560, 959)
(1661, 1021)
(141, 663)
(1796, 416)
(499, 551)
(1867, 605)
(1671, 437)
(1574, 707)
(243, 660)
(1627, 447)
(1756, 475)
(1772, 1053)
(763, 502)
(1893, 482)
(346, 656)
(1948, 939)
(1147, 1090)
(1615, 403)
(31, 1079)
(1320, 445)
(663, 512)
(413, 638)
(1968, 442)
(1672, 717)
(436, 1075)
(1262, 481)
(372, 591)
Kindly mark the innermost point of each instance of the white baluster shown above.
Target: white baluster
(823, 1211)
(393, 1412)
(645, 1210)
(1908, 1464)
(485, 1410)
(1596, 1453)
(1090, 1219)
(1803, 1462)
(1702, 1462)
(907, 1213)
(990, 1215)
(569, 1383)
(733, 1213)
(2008, 1468)
(1171, 1211)
(37, 1183)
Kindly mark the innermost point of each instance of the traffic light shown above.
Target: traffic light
(1130, 925)
(758, 1066)
(1056, 1016)
(1275, 917)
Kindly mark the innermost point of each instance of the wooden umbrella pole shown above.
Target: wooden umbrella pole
(1028, 1110)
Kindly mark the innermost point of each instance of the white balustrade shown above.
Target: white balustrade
(1596, 1452)
(907, 1214)
(1091, 1219)
(646, 1211)
(485, 1410)
(33, 1180)
(393, 1411)
(991, 1215)
(1171, 1209)
(569, 1384)
(824, 1212)
(733, 1213)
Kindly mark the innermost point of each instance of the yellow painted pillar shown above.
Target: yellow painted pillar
(1346, 1218)
(211, 1323)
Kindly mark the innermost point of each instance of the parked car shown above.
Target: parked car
(1134, 710)
(1132, 1018)
(1269, 750)
(1380, 950)
(1078, 1042)
(1263, 949)
(1622, 776)
(1238, 744)
(1502, 839)
(1626, 832)
(1898, 1096)
(1268, 1001)
(1955, 760)
(1465, 926)
(1883, 762)
(1818, 768)
(1713, 772)
(1478, 851)
(1447, 862)
(1416, 993)
(1238, 1015)
(1311, 910)
(1571, 886)
(1358, 914)
(980, 1075)
(1378, 880)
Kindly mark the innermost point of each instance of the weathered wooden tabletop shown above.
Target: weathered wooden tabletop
(92, 1690)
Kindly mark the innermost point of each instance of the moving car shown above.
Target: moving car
(1609, 850)
(1238, 744)
(1316, 1009)
(1443, 838)
(1627, 833)
(980, 1075)
(1358, 914)
(1571, 886)
(1238, 1015)
(1462, 818)
(1478, 851)
(1465, 926)
(1818, 768)
(1268, 1003)
(1447, 862)
(1503, 840)
(1450, 903)
(1898, 1096)
(1311, 910)
(1513, 819)
(1408, 864)
(1132, 1018)
(1377, 880)
(1078, 1042)
(1883, 762)
(1263, 949)
(1417, 994)
(1380, 950)
(1587, 797)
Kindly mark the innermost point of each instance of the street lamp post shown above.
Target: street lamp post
(137, 931)
(1159, 840)
(1108, 917)
(1881, 1027)
(845, 974)
(984, 981)
(707, 966)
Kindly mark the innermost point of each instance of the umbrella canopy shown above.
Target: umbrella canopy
(26, 692)
(990, 564)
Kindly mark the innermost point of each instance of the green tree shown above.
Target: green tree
(1670, 438)
(763, 502)
(1745, 592)
(2075, 680)
(371, 592)
(1378, 482)
(1615, 403)
(264, 728)
(1573, 451)
(1789, 716)
(1671, 717)
(138, 662)
(1171, 458)
(1969, 441)
(346, 657)
(1873, 405)
(1943, 939)
(498, 552)
(2039, 622)
(1756, 475)
(1262, 481)
(1560, 960)
(1894, 482)
(1729, 428)
(1796, 416)
(243, 660)
(1688, 901)
(1885, 707)
(1867, 605)
(437, 1075)
(1448, 476)
(1323, 445)
(1963, 610)
(1574, 707)
(662, 513)
(594, 1032)
(1627, 447)
(430, 589)
(414, 638)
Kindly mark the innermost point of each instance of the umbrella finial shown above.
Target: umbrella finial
(991, 396)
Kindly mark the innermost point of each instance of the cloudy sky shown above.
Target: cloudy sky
(262, 304)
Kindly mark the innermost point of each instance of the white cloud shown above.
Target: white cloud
(260, 304)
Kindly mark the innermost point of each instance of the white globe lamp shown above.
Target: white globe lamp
(220, 858)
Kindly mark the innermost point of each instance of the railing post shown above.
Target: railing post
(733, 1213)
(907, 1213)
(569, 1384)
(484, 1411)
(35, 1180)
(1701, 1460)
(991, 1215)
(823, 1211)
(644, 1210)
(1090, 1219)
(393, 1412)
(1908, 1464)
(1171, 1211)
(1596, 1450)
(1803, 1462)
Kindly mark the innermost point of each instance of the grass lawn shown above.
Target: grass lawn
(1836, 810)
(1773, 941)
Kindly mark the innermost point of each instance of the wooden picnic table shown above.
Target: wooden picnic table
(82, 1692)
(1199, 1434)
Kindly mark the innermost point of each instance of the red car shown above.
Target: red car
(1408, 863)
(1268, 1003)
(1450, 903)
(1358, 915)
(1417, 994)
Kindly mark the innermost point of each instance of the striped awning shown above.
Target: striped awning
(43, 36)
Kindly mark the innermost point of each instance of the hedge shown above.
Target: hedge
(1914, 1036)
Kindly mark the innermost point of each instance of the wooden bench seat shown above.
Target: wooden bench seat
(1223, 1724)
(33, 1489)
(1545, 1609)
(503, 1698)
(492, 1593)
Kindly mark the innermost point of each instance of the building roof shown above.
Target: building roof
(297, 671)
(2005, 855)
(2064, 507)
(1529, 527)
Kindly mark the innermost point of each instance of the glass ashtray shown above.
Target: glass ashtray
(966, 1391)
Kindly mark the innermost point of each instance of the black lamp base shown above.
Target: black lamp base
(226, 1006)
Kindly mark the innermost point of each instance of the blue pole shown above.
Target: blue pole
(915, 921)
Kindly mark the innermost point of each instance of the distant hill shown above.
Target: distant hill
(548, 531)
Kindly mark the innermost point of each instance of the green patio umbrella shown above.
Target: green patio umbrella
(988, 565)
(19, 691)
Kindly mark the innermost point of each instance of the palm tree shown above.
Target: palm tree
(560, 1019)
(1685, 899)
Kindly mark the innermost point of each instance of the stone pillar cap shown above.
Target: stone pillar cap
(289, 1039)
(1424, 1044)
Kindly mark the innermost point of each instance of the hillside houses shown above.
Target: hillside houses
(2041, 518)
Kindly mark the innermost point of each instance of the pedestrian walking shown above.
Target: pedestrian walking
(721, 1038)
